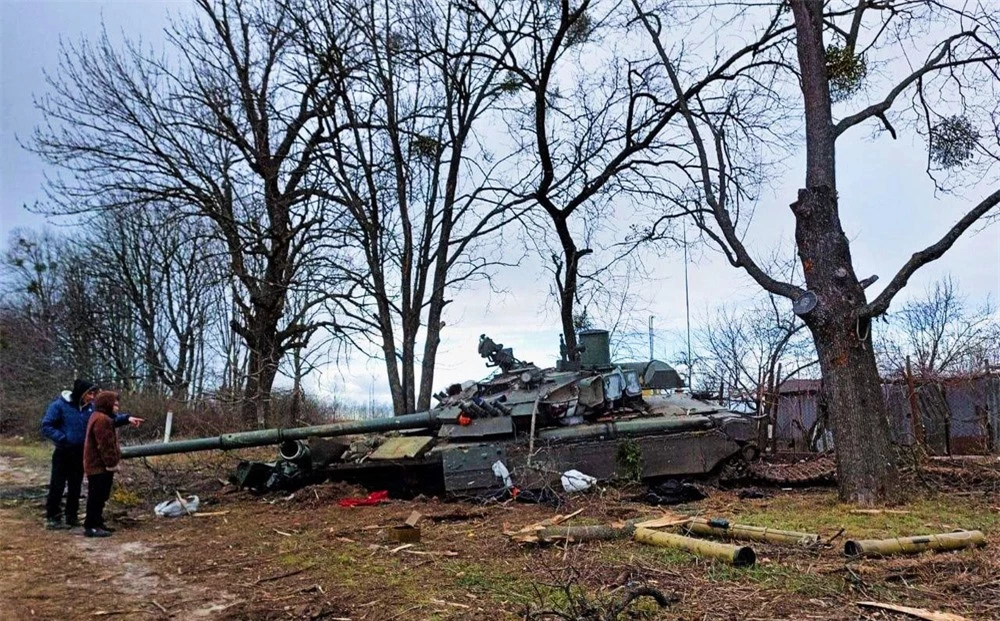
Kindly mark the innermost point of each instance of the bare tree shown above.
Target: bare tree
(741, 350)
(224, 128)
(48, 282)
(33, 354)
(736, 100)
(170, 271)
(942, 332)
(413, 90)
(31, 270)
(594, 135)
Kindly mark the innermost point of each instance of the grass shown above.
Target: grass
(355, 567)
(774, 576)
(37, 453)
(822, 513)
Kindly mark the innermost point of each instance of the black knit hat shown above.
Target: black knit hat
(80, 388)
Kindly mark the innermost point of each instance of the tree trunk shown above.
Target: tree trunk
(296, 405)
(866, 464)
(391, 363)
(409, 364)
(265, 354)
(431, 342)
(566, 288)
(852, 388)
(566, 307)
(251, 390)
(257, 392)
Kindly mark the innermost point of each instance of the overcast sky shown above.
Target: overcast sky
(888, 206)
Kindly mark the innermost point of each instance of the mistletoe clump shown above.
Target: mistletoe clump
(579, 29)
(953, 141)
(511, 83)
(845, 70)
(426, 147)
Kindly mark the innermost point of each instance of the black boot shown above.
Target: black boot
(56, 524)
(96, 532)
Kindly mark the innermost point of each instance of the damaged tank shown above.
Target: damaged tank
(520, 429)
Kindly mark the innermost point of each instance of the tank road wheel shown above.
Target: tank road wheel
(737, 466)
(750, 453)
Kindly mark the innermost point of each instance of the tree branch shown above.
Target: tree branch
(879, 109)
(931, 253)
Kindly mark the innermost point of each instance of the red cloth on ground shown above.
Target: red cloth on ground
(372, 499)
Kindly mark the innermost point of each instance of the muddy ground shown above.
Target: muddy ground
(301, 556)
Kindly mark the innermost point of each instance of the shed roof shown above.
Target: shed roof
(793, 386)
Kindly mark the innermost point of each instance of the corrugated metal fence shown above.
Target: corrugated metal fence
(959, 416)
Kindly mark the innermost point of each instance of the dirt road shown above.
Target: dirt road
(63, 575)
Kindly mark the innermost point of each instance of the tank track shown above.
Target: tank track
(820, 470)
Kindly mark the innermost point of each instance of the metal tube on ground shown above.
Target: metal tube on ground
(265, 437)
(742, 532)
(738, 556)
(912, 545)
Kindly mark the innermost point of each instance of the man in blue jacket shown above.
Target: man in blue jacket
(65, 423)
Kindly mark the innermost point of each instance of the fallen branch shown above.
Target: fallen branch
(441, 602)
(836, 536)
(288, 574)
(919, 613)
(549, 531)
(529, 533)
(184, 505)
(428, 553)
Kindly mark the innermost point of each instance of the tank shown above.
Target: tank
(521, 428)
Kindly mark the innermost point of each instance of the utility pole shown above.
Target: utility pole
(687, 312)
(650, 337)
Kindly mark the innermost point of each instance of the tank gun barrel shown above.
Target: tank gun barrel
(265, 437)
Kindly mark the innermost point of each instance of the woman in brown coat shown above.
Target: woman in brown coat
(101, 454)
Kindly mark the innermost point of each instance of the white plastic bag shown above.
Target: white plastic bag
(501, 472)
(576, 481)
(176, 508)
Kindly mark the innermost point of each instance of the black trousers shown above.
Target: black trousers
(67, 474)
(98, 492)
